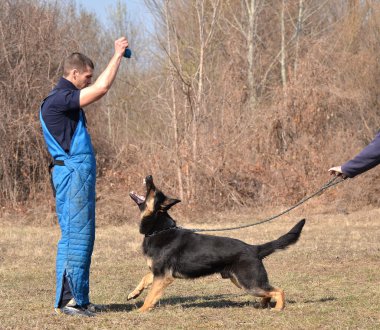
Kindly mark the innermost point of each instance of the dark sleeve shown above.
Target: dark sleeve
(368, 158)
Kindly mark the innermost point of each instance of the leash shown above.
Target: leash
(327, 185)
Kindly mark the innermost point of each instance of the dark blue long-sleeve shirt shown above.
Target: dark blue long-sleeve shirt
(368, 158)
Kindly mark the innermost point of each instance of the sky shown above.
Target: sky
(136, 9)
(137, 12)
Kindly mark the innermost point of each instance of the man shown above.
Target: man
(74, 174)
(368, 158)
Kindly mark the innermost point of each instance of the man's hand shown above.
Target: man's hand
(337, 171)
(102, 85)
(120, 45)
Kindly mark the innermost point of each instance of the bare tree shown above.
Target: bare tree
(173, 107)
(298, 35)
(246, 25)
(34, 39)
(179, 106)
(283, 50)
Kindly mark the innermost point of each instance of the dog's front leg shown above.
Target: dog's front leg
(158, 287)
(279, 295)
(144, 283)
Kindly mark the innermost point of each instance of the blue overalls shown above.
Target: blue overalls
(74, 183)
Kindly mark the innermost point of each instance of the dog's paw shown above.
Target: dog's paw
(144, 309)
(133, 295)
(265, 303)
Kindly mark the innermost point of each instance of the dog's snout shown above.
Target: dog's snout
(148, 180)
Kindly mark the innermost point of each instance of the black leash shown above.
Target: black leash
(327, 185)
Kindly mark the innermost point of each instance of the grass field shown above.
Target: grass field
(331, 278)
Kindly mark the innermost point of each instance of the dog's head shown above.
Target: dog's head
(155, 202)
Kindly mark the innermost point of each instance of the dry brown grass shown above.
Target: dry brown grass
(331, 279)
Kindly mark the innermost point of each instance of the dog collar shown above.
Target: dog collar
(162, 230)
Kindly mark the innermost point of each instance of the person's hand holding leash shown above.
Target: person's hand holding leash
(368, 158)
(337, 171)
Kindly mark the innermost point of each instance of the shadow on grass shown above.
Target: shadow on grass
(119, 307)
(322, 300)
(224, 301)
(212, 301)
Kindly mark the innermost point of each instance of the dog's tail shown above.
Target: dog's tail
(283, 242)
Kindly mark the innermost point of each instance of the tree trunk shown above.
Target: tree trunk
(298, 34)
(283, 54)
(173, 109)
(251, 10)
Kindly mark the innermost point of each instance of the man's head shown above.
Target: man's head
(78, 69)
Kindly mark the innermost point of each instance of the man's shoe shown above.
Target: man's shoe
(93, 308)
(71, 303)
(74, 311)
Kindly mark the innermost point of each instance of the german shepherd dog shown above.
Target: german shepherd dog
(173, 252)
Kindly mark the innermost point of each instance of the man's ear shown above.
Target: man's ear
(74, 73)
(168, 203)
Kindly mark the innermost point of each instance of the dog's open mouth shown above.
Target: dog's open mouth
(137, 198)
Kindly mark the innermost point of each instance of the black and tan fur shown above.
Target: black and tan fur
(173, 252)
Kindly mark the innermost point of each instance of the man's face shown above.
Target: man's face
(82, 79)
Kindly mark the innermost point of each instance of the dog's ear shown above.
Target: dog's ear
(168, 203)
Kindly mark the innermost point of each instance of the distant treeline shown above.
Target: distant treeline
(226, 103)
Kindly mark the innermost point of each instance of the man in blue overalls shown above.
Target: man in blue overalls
(74, 173)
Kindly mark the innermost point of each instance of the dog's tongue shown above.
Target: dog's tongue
(137, 198)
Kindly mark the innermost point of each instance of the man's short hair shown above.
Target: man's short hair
(76, 61)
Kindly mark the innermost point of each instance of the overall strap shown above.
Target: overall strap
(46, 131)
(53, 146)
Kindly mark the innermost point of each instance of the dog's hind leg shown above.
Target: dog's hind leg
(156, 292)
(144, 283)
(252, 276)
